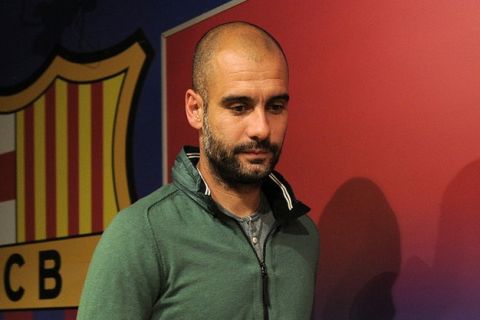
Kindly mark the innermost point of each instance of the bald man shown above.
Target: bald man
(227, 239)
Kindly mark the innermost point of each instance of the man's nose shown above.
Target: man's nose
(258, 126)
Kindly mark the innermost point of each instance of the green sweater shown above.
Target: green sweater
(174, 255)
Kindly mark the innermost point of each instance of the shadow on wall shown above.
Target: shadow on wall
(450, 288)
(359, 255)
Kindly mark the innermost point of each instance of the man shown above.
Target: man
(227, 239)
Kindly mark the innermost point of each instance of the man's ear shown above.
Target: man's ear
(194, 108)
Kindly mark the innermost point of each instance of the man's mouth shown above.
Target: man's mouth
(256, 151)
(259, 151)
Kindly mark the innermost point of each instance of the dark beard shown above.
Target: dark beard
(227, 167)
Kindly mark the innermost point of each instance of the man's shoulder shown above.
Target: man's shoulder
(309, 224)
(165, 204)
(304, 225)
(138, 212)
(157, 197)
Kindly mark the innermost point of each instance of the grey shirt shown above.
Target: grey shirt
(256, 226)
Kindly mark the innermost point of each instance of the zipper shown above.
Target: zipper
(263, 268)
(266, 297)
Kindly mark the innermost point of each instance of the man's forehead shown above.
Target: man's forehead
(250, 45)
(234, 73)
(233, 60)
(227, 95)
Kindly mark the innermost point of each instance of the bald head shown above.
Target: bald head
(248, 40)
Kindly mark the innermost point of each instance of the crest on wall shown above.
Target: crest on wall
(70, 133)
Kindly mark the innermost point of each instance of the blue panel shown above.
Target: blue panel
(48, 315)
(33, 28)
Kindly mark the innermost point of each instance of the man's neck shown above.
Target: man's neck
(240, 200)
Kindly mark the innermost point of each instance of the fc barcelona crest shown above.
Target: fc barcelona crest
(70, 134)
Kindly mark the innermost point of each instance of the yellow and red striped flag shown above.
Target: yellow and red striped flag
(64, 163)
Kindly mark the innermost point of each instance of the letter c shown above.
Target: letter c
(13, 295)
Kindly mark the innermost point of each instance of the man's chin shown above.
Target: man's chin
(247, 180)
(256, 165)
(256, 171)
(249, 175)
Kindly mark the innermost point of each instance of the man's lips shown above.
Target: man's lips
(256, 155)
(256, 152)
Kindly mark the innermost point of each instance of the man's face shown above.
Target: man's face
(246, 119)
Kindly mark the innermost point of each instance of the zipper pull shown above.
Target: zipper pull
(266, 298)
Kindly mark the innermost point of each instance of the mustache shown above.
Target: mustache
(263, 145)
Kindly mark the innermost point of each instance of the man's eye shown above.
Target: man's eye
(276, 108)
(238, 108)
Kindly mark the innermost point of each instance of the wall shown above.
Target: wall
(382, 141)
(382, 144)
(80, 137)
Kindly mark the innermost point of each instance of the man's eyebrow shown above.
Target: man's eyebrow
(283, 97)
(228, 100)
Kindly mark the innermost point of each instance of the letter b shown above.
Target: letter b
(53, 273)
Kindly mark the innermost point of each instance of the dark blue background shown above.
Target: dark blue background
(31, 29)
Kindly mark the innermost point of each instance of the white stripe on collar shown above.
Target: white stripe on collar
(207, 189)
(286, 195)
(193, 155)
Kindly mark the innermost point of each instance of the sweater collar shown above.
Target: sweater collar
(278, 192)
